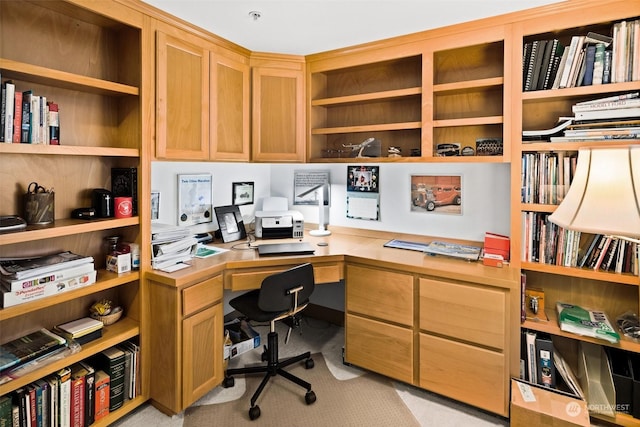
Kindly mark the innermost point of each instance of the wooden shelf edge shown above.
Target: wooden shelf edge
(128, 406)
(63, 79)
(456, 159)
(470, 121)
(65, 227)
(68, 150)
(578, 91)
(366, 97)
(106, 280)
(466, 85)
(585, 273)
(118, 332)
(367, 128)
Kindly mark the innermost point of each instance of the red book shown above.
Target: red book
(17, 118)
(54, 123)
(497, 244)
(101, 403)
(78, 373)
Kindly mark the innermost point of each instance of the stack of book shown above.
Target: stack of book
(28, 279)
(28, 348)
(611, 118)
(171, 245)
(82, 330)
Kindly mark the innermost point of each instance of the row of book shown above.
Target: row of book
(546, 176)
(589, 59)
(78, 395)
(548, 243)
(28, 279)
(27, 118)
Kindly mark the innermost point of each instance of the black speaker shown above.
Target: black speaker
(124, 182)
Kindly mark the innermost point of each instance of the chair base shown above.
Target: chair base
(271, 369)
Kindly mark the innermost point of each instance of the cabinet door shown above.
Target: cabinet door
(182, 98)
(278, 114)
(229, 108)
(201, 353)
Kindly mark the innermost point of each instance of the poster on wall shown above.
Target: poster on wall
(436, 193)
(363, 197)
(306, 185)
(194, 199)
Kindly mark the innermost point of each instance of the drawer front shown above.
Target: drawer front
(201, 295)
(379, 347)
(252, 279)
(470, 313)
(473, 375)
(382, 294)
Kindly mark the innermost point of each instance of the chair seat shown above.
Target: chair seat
(247, 304)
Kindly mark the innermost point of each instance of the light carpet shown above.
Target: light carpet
(368, 400)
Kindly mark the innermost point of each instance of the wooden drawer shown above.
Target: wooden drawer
(242, 280)
(201, 295)
(382, 348)
(471, 313)
(382, 294)
(473, 375)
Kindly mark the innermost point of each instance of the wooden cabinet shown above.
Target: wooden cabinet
(92, 70)
(187, 342)
(563, 281)
(202, 98)
(182, 96)
(379, 321)
(278, 113)
(464, 342)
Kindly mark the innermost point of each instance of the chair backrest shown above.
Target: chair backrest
(274, 294)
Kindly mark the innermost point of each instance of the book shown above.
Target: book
(590, 57)
(22, 268)
(112, 361)
(567, 374)
(89, 394)
(586, 322)
(544, 359)
(128, 371)
(632, 112)
(64, 397)
(471, 253)
(606, 67)
(532, 366)
(598, 64)
(29, 347)
(101, 405)
(54, 123)
(135, 367)
(21, 398)
(17, 284)
(33, 415)
(497, 244)
(25, 136)
(44, 401)
(53, 399)
(3, 109)
(17, 117)
(554, 63)
(533, 135)
(80, 327)
(571, 63)
(78, 377)
(6, 411)
(549, 49)
(530, 66)
(537, 65)
(11, 298)
(10, 90)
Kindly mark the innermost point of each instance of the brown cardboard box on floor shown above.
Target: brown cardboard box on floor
(536, 406)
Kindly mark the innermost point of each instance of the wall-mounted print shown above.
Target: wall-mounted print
(363, 179)
(436, 193)
(307, 186)
(155, 205)
(242, 193)
(194, 199)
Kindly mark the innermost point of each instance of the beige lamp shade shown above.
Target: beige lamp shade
(604, 197)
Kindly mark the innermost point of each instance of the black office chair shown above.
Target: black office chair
(281, 296)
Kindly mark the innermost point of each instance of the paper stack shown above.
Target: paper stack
(171, 245)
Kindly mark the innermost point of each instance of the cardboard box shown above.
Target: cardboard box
(535, 406)
(248, 339)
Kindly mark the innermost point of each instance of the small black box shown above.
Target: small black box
(124, 182)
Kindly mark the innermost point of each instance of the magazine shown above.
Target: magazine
(590, 323)
(21, 268)
(471, 253)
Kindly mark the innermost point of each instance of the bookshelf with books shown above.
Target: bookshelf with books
(101, 109)
(562, 263)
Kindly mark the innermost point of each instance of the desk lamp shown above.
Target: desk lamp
(323, 208)
(604, 197)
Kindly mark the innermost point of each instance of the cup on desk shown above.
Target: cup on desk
(123, 207)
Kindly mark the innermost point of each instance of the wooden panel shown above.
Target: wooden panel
(462, 372)
(380, 347)
(201, 354)
(470, 313)
(201, 295)
(252, 279)
(378, 293)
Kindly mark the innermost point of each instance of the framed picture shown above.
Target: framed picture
(194, 199)
(306, 185)
(230, 223)
(436, 193)
(242, 193)
(363, 178)
(155, 205)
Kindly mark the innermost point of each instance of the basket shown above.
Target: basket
(108, 319)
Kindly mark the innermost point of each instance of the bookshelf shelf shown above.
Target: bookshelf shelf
(366, 97)
(585, 273)
(66, 150)
(471, 121)
(367, 128)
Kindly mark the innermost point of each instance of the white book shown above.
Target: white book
(64, 397)
(608, 114)
(630, 95)
(10, 91)
(532, 366)
(574, 48)
(35, 119)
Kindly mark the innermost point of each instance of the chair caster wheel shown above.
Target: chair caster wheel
(310, 397)
(254, 412)
(309, 363)
(228, 382)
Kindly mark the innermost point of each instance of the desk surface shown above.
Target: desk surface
(343, 245)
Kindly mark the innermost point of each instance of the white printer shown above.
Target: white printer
(275, 221)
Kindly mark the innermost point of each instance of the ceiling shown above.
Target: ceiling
(304, 27)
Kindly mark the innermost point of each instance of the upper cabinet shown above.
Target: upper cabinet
(278, 113)
(202, 99)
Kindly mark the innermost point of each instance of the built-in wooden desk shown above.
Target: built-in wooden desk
(446, 325)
